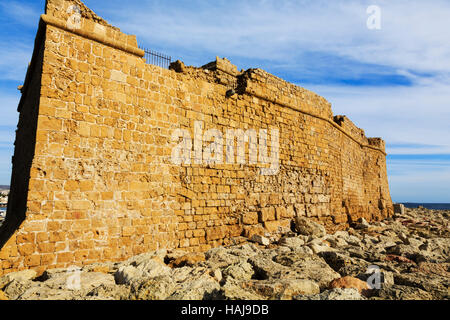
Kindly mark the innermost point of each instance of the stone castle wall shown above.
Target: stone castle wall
(93, 178)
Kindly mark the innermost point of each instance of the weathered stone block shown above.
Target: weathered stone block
(399, 208)
(267, 214)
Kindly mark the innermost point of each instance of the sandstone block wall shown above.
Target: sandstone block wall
(93, 178)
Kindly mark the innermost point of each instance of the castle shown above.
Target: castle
(93, 176)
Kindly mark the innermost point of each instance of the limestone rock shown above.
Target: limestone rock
(303, 250)
(239, 271)
(20, 276)
(110, 292)
(43, 292)
(90, 280)
(265, 268)
(202, 288)
(362, 224)
(245, 251)
(336, 260)
(217, 275)
(3, 296)
(184, 274)
(221, 257)
(350, 283)
(334, 294)
(400, 292)
(135, 261)
(148, 267)
(260, 239)
(187, 260)
(158, 288)
(60, 287)
(126, 275)
(305, 226)
(317, 248)
(399, 208)
(292, 242)
(304, 266)
(435, 285)
(411, 263)
(234, 290)
(279, 289)
(15, 289)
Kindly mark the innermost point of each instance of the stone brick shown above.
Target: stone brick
(250, 218)
(267, 214)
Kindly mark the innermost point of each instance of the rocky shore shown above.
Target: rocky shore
(405, 257)
(3, 203)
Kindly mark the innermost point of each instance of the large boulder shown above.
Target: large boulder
(235, 290)
(348, 282)
(305, 266)
(433, 284)
(109, 292)
(20, 276)
(281, 289)
(15, 289)
(127, 274)
(307, 227)
(239, 271)
(150, 267)
(204, 287)
(190, 259)
(59, 286)
(293, 242)
(158, 288)
(401, 292)
(221, 257)
(154, 268)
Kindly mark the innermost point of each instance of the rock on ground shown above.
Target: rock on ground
(408, 254)
(334, 294)
(348, 282)
(305, 226)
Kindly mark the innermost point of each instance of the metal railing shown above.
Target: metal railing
(156, 58)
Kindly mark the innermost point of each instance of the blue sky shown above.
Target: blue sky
(394, 82)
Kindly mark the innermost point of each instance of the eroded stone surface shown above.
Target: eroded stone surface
(288, 269)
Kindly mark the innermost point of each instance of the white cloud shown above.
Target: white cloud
(400, 115)
(413, 43)
(419, 181)
(8, 108)
(414, 34)
(26, 14)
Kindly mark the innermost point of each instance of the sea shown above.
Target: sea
(433, 206)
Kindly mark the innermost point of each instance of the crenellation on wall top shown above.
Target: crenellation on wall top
(259, 83)
(222, 64)
(378, 143)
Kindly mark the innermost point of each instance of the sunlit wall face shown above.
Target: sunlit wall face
(393, 79)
